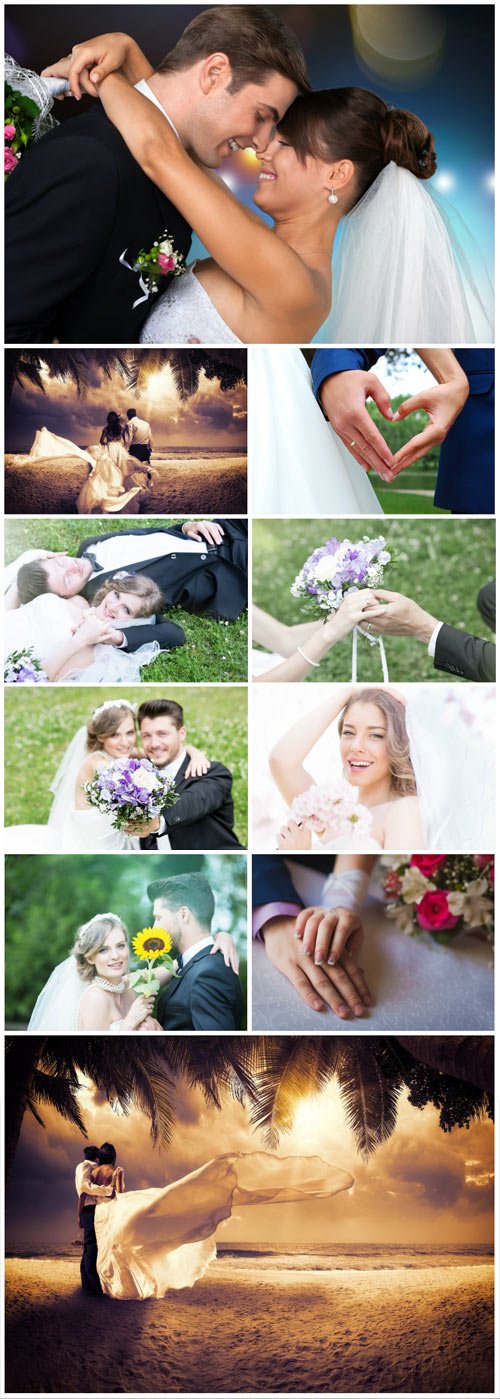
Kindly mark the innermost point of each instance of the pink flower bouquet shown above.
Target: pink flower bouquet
(442, 895)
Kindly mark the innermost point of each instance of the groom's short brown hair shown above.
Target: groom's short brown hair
(31, 581)
(255, 40)
(191, 891)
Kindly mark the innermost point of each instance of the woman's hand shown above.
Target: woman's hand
(90, 62)
(139, 1011)
(351, 612)
(326, 933)
(150, 1026)
(198, 762)
(341, 988)
(294, 836)
(225, 943)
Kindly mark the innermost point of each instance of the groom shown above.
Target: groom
(88, 1197)
(78, 205)
(206, 995)
(202, 817)
(199, 566)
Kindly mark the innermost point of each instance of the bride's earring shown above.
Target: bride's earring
(333, 197)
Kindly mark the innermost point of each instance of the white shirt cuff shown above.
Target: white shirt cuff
(432, 644)
(162, 828)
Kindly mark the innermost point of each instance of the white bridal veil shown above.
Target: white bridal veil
(403, 270)
(56, 1009)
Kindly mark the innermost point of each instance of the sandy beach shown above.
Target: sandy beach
(245, 1327)
(202, 484)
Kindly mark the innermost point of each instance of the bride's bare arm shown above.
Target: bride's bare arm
(259, 262)
(94, 59)
(315, 639)
(287, 757)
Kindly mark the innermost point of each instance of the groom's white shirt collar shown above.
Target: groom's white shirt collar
(197, 947)
(147, 91)
(172, 768)
(125, 549)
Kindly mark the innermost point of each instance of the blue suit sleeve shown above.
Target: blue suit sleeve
(328, 362)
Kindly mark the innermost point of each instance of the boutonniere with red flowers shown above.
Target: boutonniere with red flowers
(162, 260)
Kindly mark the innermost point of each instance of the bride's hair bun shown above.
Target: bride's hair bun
(408, 142)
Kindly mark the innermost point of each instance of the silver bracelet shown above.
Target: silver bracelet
(307, 658)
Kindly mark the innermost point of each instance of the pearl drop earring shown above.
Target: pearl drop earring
(333, 197)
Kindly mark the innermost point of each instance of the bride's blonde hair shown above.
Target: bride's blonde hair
(91, 937)
(397, 741)
(145, 588)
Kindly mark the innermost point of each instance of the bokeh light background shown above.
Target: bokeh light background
(437, 60)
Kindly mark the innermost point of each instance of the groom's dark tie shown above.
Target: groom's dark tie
(97, 567)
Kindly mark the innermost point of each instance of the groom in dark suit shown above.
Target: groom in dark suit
(462, 403)
(453, 651)
(79, 208)
(202, 817)
(205, 574)
(206, 995)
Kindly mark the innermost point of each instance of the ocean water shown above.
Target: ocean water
(311, 1257)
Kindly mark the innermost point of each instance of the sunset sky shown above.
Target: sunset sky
(421, 1186)
(209, 419)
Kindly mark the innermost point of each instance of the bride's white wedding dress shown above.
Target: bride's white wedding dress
(48, 621)
(152, 1241)
(185, 315)
(103, 491)
(297, 464)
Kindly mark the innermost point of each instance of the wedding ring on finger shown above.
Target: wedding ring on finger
(352, 444)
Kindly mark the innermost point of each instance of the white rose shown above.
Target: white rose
(144, 779)
(166, 247)
(326, 569)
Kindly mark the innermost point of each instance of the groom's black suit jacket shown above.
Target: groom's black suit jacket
(459, 653)
(272, 882)
(212, 583)
(205, 996)
(77, 200)
(202, 817)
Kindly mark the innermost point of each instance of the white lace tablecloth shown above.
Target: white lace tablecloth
(415, 985)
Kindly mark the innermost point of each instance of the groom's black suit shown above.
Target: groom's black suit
(205, 996)
(459, 653)
(212, 583)
(203, 816)
(77, 200)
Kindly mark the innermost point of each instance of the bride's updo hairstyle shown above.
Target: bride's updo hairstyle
(91, 937)
(135, 583)
(105, 723)
(397, 741)
(350, 123)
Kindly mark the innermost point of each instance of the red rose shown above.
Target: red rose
(482, 860)
(433, 913)
(428, 864)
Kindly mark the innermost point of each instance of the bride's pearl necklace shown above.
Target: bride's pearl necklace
(116, 987)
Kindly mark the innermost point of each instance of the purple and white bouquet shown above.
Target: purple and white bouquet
(332, 808)
(132, 791)
(23, 668)
(338, 567)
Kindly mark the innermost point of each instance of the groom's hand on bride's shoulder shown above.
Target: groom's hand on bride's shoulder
(341, 988)
(343, 397)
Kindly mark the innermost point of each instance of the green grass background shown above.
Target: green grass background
(442, 566)
(48, 897)
(40, 722)
(214, 650)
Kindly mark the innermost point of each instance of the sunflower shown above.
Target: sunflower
(151, 943)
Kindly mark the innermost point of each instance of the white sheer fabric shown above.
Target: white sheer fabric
(406, 271)
(297, 465)
(56, 1009)
(48, 621)
(152, 1241)
(185, 315)
(73, 830)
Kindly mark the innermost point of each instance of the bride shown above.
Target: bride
(110, 733)
(90, 990)
(152, 1240)
(292, 652)
(421, 765)
(341, 167)
(375, 755)
(76, 642)
(108, 461)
